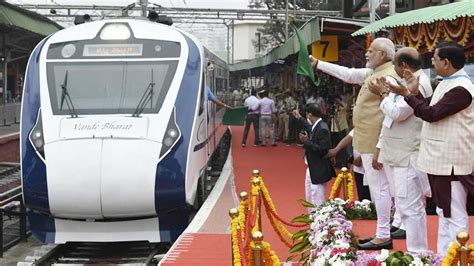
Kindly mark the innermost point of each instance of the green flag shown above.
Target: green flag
(304, 65)
(234, 116)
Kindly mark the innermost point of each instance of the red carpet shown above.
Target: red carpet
(282, 169)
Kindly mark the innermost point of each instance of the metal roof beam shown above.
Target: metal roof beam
(164, 9)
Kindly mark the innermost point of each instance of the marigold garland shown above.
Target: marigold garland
(235, 243)
(266, 196)
(471, 254)
(269, 256)
(335, 188)
(243, 208)
(350, 186)
(241, 247)
(283, 239)
(451, 257)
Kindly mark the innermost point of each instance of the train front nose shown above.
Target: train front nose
(108, 172)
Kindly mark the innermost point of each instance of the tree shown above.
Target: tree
(271, 35)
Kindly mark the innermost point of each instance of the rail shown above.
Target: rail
(11, 205)
(117, 253)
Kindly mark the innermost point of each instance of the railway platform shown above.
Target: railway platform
(283, 170)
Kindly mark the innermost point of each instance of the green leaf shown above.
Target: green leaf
(299, 234)
(304, 257)
(407, 259)
(302, 219)
(397, 254)
(306, 204)
(393, 261)
(299, 246)
(291, 257)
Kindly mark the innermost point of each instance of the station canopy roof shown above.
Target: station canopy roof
(423, 15)
(16, 17)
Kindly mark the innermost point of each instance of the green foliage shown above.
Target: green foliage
(397, 258)
(304, 218)
(299, 246)
(306, 204)
(299, 234)
(273, 32)
(359, 214)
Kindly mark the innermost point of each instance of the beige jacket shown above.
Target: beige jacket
(448, 145)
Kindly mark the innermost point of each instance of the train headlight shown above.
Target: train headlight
(172, 135)
(36, 136)
(68, 50)
(172, 132)
(115, 32)
(39, 143)
(168, 142)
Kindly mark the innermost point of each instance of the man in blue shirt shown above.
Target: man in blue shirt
(211, 97)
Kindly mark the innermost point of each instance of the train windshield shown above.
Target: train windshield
(109, 87)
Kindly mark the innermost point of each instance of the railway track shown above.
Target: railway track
(88, 253)
(13, 222)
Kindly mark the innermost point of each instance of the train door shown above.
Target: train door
(211, 108)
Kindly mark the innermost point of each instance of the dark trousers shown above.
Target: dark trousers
(441, 191)
(362, 191)
(251, 119)
(292, 129)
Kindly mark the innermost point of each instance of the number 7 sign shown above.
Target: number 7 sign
(326, 48)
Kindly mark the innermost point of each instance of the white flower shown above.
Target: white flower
(417, 262)
(335, 223)
(320, 261)
(340, 263)
(384, 253)
(366, 201)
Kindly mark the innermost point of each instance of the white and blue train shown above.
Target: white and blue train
(117, 131)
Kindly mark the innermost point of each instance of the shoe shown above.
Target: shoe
(393, 229)
(262, 145)
(399, 234)
(243, 145)
(365, 240)
(371, 246)
(274, 145)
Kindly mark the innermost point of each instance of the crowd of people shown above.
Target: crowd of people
(410, 140)
(270, 113)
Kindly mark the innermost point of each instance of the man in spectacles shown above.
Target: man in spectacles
(399, 144)
(447, 138)
(367, 120)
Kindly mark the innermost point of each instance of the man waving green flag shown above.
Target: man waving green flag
(304, 65)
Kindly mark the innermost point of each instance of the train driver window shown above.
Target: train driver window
(203, 94)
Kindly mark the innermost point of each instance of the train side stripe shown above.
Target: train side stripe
(34, 180)
(171, 171)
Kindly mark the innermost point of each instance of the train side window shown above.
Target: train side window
(203, 94)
